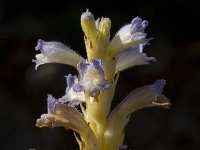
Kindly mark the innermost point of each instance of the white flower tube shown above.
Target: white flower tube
(129, 35)
(72, 98)
(132, 56)
(55, 52)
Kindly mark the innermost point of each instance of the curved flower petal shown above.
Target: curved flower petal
(68, 117)
(55, 52)
(72, 98)
(147, 96)
(129, 35)
(138, 25)
(92, 78)
(132, 56)
(51, 102)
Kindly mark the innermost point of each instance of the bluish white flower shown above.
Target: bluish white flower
(91, 78)
(129, 35)
(55, 52)
(132, 56)
(72, 98)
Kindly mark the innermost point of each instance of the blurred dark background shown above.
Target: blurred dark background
(23, 91)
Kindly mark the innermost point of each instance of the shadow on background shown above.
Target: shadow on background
(23, 91)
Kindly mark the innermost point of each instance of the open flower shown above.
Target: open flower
(132, 56)
(129, 35)
(72, 98)
(55, 52)
(92, 78)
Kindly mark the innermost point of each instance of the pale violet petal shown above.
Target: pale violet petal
(55, 52)
(138, 24)
(71, 80)
(94, 92)
(94, 63)
(78, 88)
(71, 97)
(83, 66)
(98, 65)
(51, 102)
(129, 35)
(104, 85)
(131, 57)
(92, 78)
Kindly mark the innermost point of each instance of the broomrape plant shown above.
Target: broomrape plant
(94, 87)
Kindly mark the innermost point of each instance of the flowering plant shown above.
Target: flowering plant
(94, 87)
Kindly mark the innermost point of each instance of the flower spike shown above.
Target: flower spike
(92, 89)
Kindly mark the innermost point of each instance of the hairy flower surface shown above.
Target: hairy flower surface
(129, 35)
(55, 52)
(132, 56)
(72, 98)
(92, 78)
(94, 87)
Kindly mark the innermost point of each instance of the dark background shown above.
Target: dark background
(23, 91)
